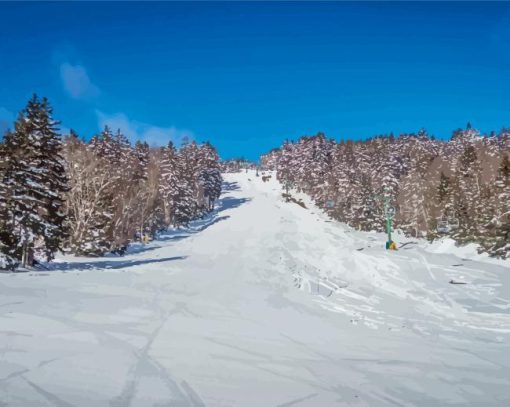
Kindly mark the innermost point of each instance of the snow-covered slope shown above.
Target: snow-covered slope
(265, 303)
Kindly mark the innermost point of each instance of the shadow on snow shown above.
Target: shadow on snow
(230, 203)
(230, 186)
(174, 235)
(110, 264)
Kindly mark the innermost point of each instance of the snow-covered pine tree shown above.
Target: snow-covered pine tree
(35, 182)
(103, 145)
(364, 213)
(303, 164)
(467, 193)
(501, 245)
(487, 217)
(412, 217)
(284, 167)
(210, 175)
(270, 160)
(387, 173)
(169, 182)
(320, 168)
(7, 240)
(187, 167)
(444, 192)
(142, 155)
(149, 215)
(130, 173)
(338, 185)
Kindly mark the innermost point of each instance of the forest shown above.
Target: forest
(94, 197)
(458, 187)
(62, 192)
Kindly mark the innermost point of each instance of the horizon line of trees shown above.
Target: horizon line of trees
(459, 188)
(91, 198)
(237, 164)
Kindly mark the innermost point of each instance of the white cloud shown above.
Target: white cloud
(77, 82)
(6, 120)
(135, 130)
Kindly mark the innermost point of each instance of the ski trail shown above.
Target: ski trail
(261, 303)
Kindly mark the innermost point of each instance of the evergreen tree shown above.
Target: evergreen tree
(7, 241)
(365, 211)
(501, 245)
(34, 184)
(149, 211)
(413, 216)
(467, 196)
(169, 182)
(186, 203)
(210, 175)
(443, 189)
(285, 173)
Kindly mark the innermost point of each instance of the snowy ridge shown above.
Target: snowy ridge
(262, 303)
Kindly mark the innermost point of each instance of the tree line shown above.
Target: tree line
(94, 197)
(237, 164)
(459, 187)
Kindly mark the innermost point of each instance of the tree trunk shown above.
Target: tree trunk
(166, 208)
(27, 256)
(24, 255)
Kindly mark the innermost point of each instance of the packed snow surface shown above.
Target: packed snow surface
(264, 303)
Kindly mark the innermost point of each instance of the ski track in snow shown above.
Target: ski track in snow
(262, 303)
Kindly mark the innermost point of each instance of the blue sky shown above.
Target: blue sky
(246, 76)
